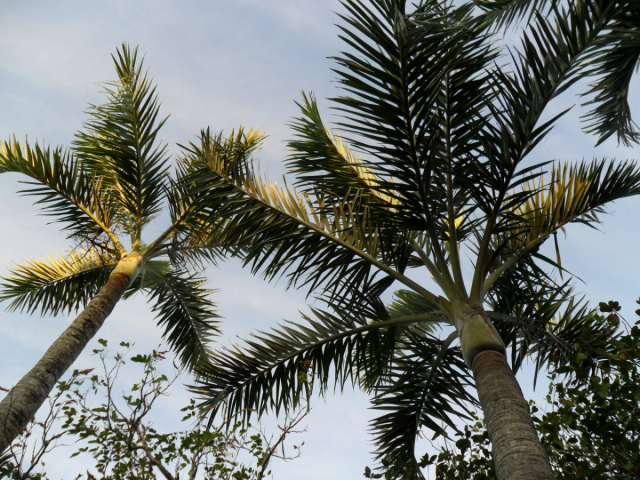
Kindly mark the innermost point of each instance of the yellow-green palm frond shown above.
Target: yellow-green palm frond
(457, 223)
(58, 284)
(120, 142)
(230, 155)
(319, 241)
(320, 158)
(361, 171)
(225, 157)
(338, 219)
(574, 193)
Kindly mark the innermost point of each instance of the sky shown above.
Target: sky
(223, 64)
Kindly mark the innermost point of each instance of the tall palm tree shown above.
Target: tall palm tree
(436, 172)
(104, 190)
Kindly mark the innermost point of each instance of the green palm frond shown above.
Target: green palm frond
(614, 60)
(546, 329)
(275, 368)
(418, 105)
(546, 65)
(540, 319)
(393, 97)
(59, 284)
(188, 240)
(183, 309)
(186, 221)
(500, 14)
(407, 302)
(64, 191)
(232, 155)
(427, 387)
(523, 302)
(120, 145)
(565, 328)
(612, 57)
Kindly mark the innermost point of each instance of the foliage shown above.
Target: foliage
(117, 430)
(592, 428)
(610, 62)
(432, 166)
(104, 190)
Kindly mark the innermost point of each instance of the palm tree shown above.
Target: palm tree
(436, 172)
(109, 186)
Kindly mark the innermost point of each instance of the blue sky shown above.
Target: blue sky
(222, 64)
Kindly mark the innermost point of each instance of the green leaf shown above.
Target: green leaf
(331, 247)
(609, 307)
(501, 14)
(141, 358)
(426, 387)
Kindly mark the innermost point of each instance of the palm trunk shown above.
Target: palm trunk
(517, 451)
(25, 398)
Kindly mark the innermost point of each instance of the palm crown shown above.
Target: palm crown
(435, 169)
(111, 184)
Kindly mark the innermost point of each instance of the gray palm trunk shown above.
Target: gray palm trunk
(517, 451)
(25, 398)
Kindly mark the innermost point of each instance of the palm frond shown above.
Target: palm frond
(321, 160)
(548, 63)
(183, 308)
(59, 284)
(64, 191)
(500, 14)
(575, 194)
(463, 114)
(549, 329)
(120, 145)
(614, 60)
(275, 368)
(232, 155)
(524, 301)
(187, 240)
(427, 387)
(408, 302)
(565, 329)
(280, 231)
(393, 78)
(417, 96)
(542, 320)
